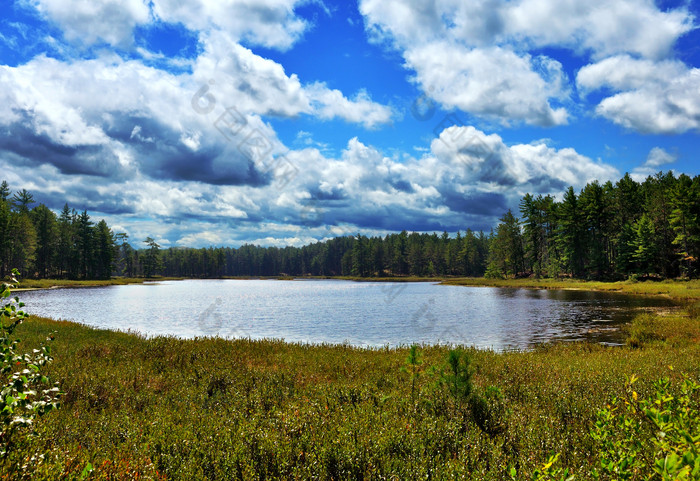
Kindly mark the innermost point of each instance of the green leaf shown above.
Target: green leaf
(86, 471)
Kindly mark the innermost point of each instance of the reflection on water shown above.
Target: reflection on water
(358, 313)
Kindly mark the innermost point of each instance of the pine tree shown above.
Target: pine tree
(569, 233)
(685, 218)
(644, 248)
(46, 240)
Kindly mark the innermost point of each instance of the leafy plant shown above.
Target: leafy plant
(487, 407)
(458, 377)
(656, 436)
(489, 410)
(413, 365)
(549, 471)
(25, 392)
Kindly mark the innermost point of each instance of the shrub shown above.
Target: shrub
(489, 410)
(25, 392)
(458, 377)
(656, 436)
(413, 365)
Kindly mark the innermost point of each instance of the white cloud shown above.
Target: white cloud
(492, 82)
(251, 83)
(90, 21)
(331, 103)
(652, 97)
(269, 23)
(599, 26)
(475, 55)
(486, 162)
(657, 158)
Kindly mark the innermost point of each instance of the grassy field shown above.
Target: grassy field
(684, 290)
(114, 281)
(675, 289)
(165, 408)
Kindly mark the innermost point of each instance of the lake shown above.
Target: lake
(359, 313)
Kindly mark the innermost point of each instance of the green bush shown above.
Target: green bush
(658, 437)
(489, 410)
(25, 390)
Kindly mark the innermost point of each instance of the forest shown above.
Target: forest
(606, 231)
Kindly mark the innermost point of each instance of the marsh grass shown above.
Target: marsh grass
(168, 408)
(114, 281)
(684, 290)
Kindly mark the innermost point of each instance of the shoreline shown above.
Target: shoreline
(679, 290)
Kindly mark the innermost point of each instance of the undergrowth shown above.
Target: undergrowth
(169, 408)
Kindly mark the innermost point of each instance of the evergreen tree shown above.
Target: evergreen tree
(4, 191)
(46, 240)
(569, 233)
(85, 245)
(151, 261)
(644, 248)
(105, 250)
(685, 220)
(21, 200)
(594, 243)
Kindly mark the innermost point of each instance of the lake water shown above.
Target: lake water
(358, 313)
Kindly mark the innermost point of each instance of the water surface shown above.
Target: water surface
(358, 313)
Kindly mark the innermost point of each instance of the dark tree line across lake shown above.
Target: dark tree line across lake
(606, 231)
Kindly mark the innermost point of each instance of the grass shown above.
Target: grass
(114, 281)
(678, 289)
(167, 408)
(675, 289)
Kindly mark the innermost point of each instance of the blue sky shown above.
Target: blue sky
(285, 121)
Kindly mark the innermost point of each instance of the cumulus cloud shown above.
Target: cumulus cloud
(90, 21)
(331, 103)
(475, 56)
(109, 117)
(238, 77)
(656, 159)
(651, 96)
(467, 179)
(269, 23)
(599, 26)
(494, 82)
(486, 163)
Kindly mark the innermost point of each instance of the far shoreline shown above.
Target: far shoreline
(677, 289)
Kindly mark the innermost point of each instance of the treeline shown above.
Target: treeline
(393, 255)
(608, 231)
(41, 244)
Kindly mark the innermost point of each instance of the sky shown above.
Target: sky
(286, 122)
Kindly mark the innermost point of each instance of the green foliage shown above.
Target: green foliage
(169, 408)
(151, 260)
(457, 376)
(657, 438)
(549, 471)
(25, 392)
(606, 231)
(413, 365)
(645, 248)
(685, 220)
(506, 254)
(489, 410)
(41, 244)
